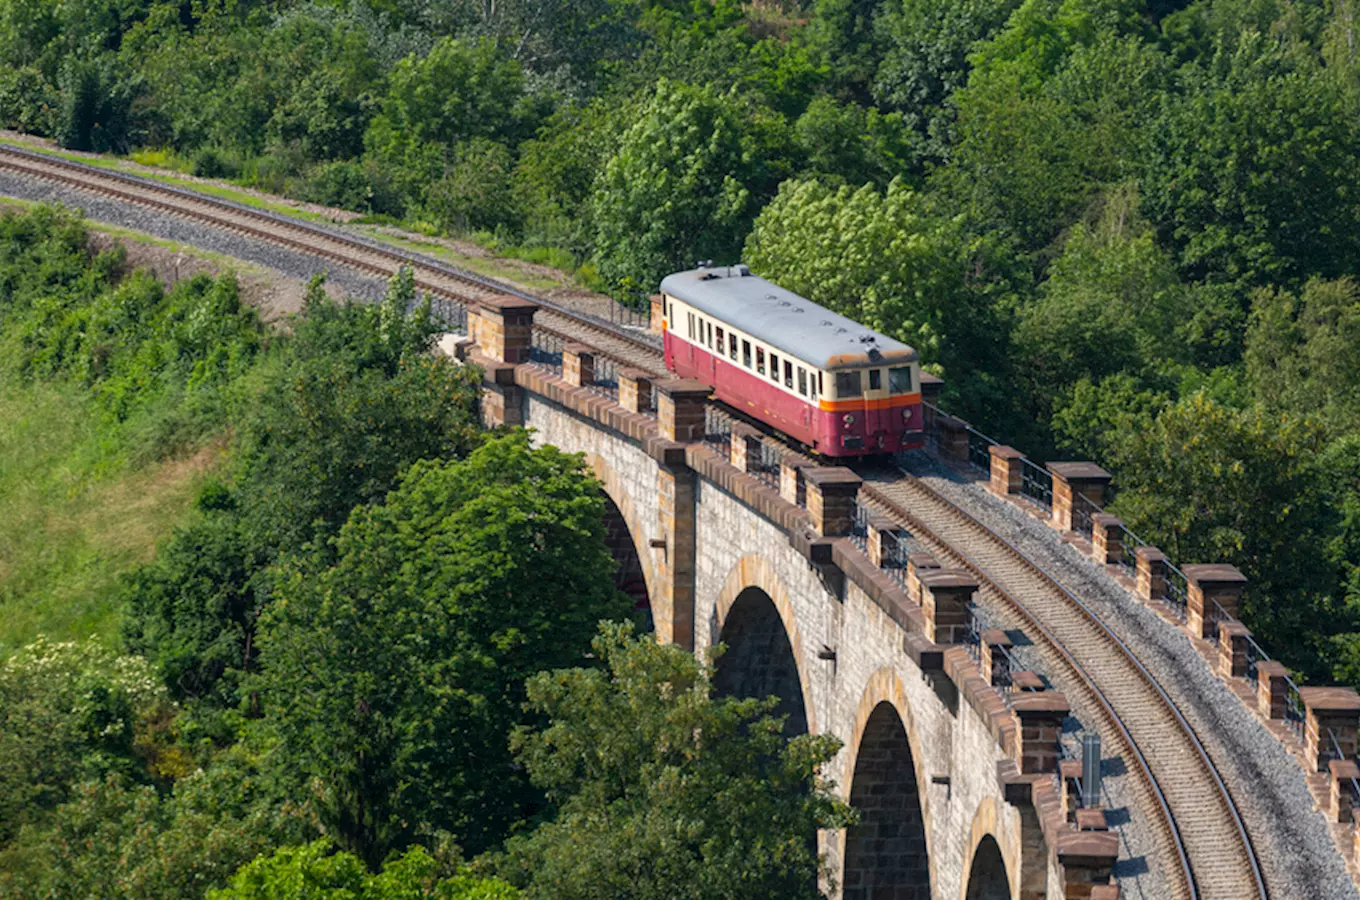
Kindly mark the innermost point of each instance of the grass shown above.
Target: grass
(72, 523)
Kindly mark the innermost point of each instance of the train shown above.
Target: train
(833, 385)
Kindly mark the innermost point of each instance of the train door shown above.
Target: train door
(876, 409)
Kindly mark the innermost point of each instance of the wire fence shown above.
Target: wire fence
(980, 450)
(1036, 483)
(1083, 509)
(545, 349)
(718, 431)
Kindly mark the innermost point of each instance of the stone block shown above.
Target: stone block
(945, 598)
(792, 486)
(1107, 538)
(1272, 689)
(991, 651)
(504, 327)
(1040, 716)
(1025, 680)
(578, 365)
(1343, 776)
(831, 496)
(918, 562)
(1233, 649)
(1213, 593)
(1151, 576)
(953, 437)
(885, 539)
(746, 446)
(635, 390)
(1331, 718)
(1072, 480)
(680, 409)
(657, 322)
(1007, 475)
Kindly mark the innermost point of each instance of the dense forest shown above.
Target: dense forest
(381, 657)
(1121, 230)
(1124, 231)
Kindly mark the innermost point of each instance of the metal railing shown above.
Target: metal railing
(606, 377)
(1036, 483)
(859, 527)
(767, 469)
(1082, 512)
(979, 450)
(1334, 752)
(1177, 590)
(545, 349)
(718, 431)
(1293, 702)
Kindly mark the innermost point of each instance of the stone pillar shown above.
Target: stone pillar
(1207, 585)
(945, 595)
(658, 313)
(1041, 716)
(884, 535)
(746, 444)
(953, 438)
(578, 365)
(1107, 538)
(1069, 778)
(674, 616)
(1328, 711)
(918, 563)
(1272, 689)
(505, 328)
(792, 486)
(995, 666)
(1232, 649)
(635, 390)
(1151, 573)
(1026, 680)
(1073, 479)
(1007, 470)
(1344, 775)
(680, 409)
(931, 385)
(831, 494)
(1087, 859)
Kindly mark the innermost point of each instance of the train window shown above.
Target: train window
(710, 335)
(746, 353)
(721, 351)
(819, 384)
(899, 380)
(732, 348)
(802, 381)
(847, 385)
(760, 360)
(690, 319)
(875, 379)
(774, 367)
(788, 374)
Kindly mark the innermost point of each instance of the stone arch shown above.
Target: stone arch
(991, 866)
(623, 531)
(987, 877)
(886, 854)
(754, 617)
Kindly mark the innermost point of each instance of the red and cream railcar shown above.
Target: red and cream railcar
(836, 386)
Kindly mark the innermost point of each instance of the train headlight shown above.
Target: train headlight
(848, 420)
(906, 414)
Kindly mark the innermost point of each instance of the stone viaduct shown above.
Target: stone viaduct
(952, 780)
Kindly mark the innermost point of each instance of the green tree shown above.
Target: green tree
(395, 674)
(474, 194)
(884, 259)
(674, 191)
(848, 141)
(1250, 175)
(697, 797)
(316, 872)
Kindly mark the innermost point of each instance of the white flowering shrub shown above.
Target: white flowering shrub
(68, 712)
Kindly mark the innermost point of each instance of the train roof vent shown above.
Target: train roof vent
(741, 270)
(826, 322)
(785, 303)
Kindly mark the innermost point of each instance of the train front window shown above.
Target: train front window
(875, 379)
(899, 380)
(847, 385)
(746, 353)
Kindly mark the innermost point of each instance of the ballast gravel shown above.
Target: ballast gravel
(1297, 855)
(342, 282)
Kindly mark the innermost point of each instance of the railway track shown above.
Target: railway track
(432, 276)
(1199, 833)
(1201, 836)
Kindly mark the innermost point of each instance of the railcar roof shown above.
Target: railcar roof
(784, 320)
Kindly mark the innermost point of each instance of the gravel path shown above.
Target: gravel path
(1292, 840)
(341, 282)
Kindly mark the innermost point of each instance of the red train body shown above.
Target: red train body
(840, 389)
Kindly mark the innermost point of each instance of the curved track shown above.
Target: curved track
(1201, 834)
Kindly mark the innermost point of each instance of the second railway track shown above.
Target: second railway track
(1202, 837)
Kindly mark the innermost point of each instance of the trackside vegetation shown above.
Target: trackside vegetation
(371, 651)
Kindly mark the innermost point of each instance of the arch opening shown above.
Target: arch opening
(885, 852)
(759, 660)
(987, 879)
(628, 577)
